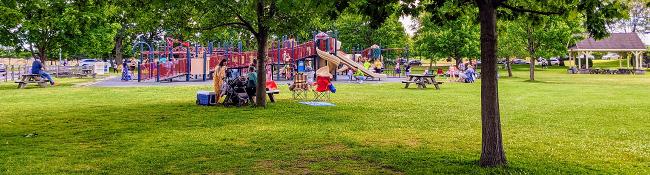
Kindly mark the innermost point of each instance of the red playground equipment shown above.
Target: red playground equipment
(198, 63)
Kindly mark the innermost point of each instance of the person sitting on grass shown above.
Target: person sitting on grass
(37, 68)
(439, 72)
(251, 86)
(359, 75)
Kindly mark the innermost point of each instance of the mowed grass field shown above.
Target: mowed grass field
(560, 124)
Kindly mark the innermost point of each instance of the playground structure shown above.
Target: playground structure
(195, 62)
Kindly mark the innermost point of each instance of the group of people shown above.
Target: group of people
(221, 75)
(464, 73)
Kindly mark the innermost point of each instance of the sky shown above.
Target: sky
(407, 23)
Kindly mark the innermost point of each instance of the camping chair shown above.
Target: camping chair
(322, 91)
(300, 86)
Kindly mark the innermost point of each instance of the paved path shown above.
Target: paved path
(116, 82)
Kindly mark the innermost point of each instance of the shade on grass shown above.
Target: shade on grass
(561, 124)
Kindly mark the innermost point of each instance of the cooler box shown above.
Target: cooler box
(206, 98)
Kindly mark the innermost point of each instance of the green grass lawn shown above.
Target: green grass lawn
(561, 124)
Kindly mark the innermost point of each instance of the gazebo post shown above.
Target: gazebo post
(627, 58)
(640, 60)
(580, 61)
(620, 63)
(587, 59)
(636, 60)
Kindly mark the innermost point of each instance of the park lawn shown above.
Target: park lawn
(561, 123)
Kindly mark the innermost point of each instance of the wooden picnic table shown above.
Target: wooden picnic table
(85, 72)
(422, 81)
(32, 78)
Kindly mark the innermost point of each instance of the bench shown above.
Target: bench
(408, 83)
(32, 79)
(270, 94)
(85, 73)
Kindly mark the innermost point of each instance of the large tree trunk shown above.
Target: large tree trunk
(509, 67)
(262, 39)
(459, 60)
(41, 53)
(118, 49)
(492, 153)
(531, 51)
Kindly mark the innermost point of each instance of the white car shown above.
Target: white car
(554, 61)
(87, 62)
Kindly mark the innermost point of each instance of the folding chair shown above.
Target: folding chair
(300, 87)
(322, 90)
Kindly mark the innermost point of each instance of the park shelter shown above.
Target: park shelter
(616, 42)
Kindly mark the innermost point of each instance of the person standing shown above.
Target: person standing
(219, 76)
(37, 68)
(398, 70)
(251, 86)
(126, 76)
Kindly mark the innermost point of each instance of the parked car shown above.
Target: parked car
(87, 62)
(519, 61)
(554, 61)
(401, 61)
(541, 61)
(3, 68)
(415, 62)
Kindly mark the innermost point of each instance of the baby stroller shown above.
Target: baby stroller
(236, 92)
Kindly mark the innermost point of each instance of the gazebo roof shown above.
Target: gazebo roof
(615, 42)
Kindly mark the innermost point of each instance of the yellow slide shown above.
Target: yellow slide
(351, 63)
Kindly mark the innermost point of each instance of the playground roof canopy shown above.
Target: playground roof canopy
(615, 42)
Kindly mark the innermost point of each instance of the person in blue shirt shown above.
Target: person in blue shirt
(251, 85)
(37, 68)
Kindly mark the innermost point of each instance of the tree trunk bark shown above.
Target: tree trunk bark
(458, 60)
(531, 51)
(492, 153)
(261, 67)
(42, 53)
(118, 49)
(509, 67)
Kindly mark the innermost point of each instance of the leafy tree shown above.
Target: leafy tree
(596, 13)
(354, 30)
(46, 25)
(543, 36)
(455, 39)
(390, 34)
(638, 17)
(260, 18)
(511, 42)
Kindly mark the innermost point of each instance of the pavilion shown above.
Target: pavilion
(616, 42)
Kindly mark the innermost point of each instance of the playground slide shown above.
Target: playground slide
(350, 63)
(329, 57)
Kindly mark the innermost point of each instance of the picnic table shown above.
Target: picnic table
(85, 72)
(32, 78)
(422, 81)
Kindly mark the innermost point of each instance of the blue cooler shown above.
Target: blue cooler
(206, 98)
